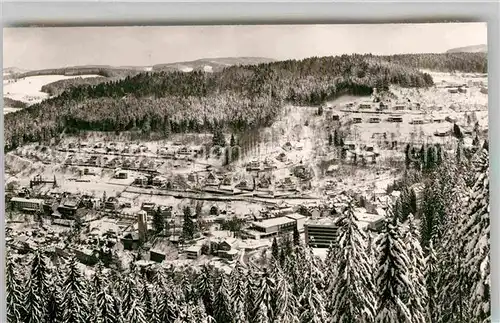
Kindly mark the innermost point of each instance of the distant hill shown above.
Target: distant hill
(211, 64)
(13, 70)
(204, 64)
(483, 48)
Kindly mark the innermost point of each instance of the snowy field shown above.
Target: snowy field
(29, 89)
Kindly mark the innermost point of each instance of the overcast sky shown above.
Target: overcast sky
(37, 48)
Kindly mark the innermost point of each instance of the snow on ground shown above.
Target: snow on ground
(29, 89)
(186, 69)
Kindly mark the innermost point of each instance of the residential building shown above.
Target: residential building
(121, 174)
(111, 204)
(253, 165)
(130, 240)
(193, 252)
(69, 206)
(365, 106)
(399, 107)
(395, 118)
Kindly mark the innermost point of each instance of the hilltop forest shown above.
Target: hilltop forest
(239, 97)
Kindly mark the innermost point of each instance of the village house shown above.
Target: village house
(69, 205)
(264, 182)
(357, 120)
(121, 174)
(349, 145)
(159, 180)
(281, 157)
(148, 207)
(244, 185)
(417, 121)
(365, 106)
(212, 179)
(111, 204)
(193, 252)
(130, 240)
(332, 169)
(399, 107)
(184, 151)
(395, 118)
(86, 256)
(141, 180)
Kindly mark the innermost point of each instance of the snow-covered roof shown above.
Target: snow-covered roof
(322, 221)
(195, 248)
(273, 222)
(25, 200)
(295, 216)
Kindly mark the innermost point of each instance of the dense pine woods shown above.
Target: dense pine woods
(449, 62)
(391, 279)
(239, 97)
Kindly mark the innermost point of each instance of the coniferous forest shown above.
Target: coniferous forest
(428, 264)
(239, 97)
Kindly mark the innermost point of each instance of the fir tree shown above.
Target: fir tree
(147, 300)
(416, 302)
(14, 293)
(36, 289)
(222, 302)
(261, 315)
(296, 236)
(476, 240)
(266, 294)
(136, 313)
(106, 311)
(353, 297)
(54, 311)
(408, 156)
(129, 293)
(275, 249)
(205, 289)
(286, 302)
(188, 225)
(158, 221)
(336, 138)
(75, 295)
(393, 283)
(457, 132)
(330, 139)
(239, 288)
(311, 300)
(431, 277)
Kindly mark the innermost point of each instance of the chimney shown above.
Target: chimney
(142, 225)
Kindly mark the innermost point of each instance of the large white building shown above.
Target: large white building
(299, 219)
(321, 232)
(24, 204)
(271, 227)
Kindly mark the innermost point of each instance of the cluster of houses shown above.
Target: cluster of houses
(174, 151)
(130, 163)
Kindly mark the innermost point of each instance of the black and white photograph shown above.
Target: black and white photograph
(329, 173)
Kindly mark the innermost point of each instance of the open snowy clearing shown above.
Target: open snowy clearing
(29, 89)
